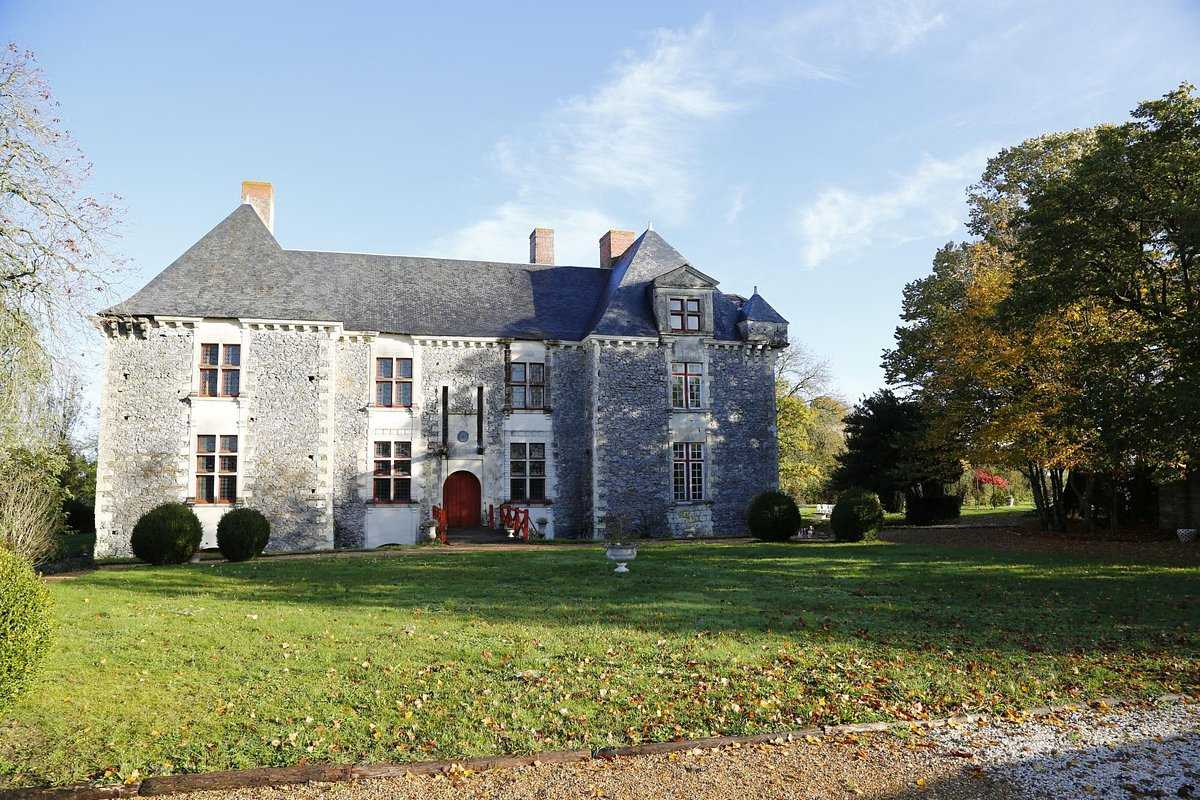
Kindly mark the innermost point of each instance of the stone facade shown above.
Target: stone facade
(303, 419)
(143, 459)
(287, 451)
(351, 470)
(571, 398)
(631, 450)
(743, 442)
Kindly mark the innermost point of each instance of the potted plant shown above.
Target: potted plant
(617, 547)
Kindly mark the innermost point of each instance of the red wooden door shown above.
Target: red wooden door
(462, 498)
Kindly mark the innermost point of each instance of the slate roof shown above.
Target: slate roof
(759, 310)
(239, 270)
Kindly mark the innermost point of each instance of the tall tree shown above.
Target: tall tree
(54, 269)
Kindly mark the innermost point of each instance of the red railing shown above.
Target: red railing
(516, 520)
(439, 516)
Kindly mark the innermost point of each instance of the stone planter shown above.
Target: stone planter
(1186, 535)
(622, 554)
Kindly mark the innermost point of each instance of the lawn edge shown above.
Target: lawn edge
(337, 773)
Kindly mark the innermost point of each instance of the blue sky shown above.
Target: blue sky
(818, 150)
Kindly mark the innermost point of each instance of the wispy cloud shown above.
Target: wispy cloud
(636, 139)
(927, 202)
(499, 236)
(737, 204)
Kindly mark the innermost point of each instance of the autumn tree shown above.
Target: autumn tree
(54, 269)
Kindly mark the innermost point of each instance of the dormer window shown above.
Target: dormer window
(685, 315)
(220, 370)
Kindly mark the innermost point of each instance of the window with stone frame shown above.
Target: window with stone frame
(393, 472)
(527, 471)
(685, 315)
(393, 382)
(688, 471)
(686, 380)
(216, 469)
(220, 369)
(526, 384)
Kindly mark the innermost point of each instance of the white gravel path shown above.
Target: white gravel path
(1147, 752)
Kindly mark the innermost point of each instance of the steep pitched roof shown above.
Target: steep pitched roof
(238, 270)
(757, 309)
(625, 308)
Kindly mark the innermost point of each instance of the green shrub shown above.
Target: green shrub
(168, 534)
(242, 534)
(928, 510)
(856, 514)
(25, 625)
(773, 517)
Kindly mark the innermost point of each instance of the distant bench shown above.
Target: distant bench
(824, 511)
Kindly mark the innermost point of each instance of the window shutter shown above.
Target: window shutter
(546, 401)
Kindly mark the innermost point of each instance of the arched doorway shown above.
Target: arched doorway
(462, 499)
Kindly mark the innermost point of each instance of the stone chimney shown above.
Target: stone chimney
(261, 197)
(613, 245)
(541, 246)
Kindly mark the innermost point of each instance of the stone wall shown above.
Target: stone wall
(570, 398)
(352, 392)
(289, 387)
(143, 449)
(744, 458)
(632, 466)
(463, 368)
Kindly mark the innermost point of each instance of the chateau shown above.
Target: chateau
(345, 395)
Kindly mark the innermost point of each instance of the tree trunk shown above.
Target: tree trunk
(1059, 509)
(1038, 487)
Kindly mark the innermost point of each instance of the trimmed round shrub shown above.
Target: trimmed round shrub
(929, 510)
(168, 534)
(25, 625)
(856, 514)
(773, 517)
(242, 534)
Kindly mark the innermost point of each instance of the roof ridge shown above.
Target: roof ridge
(520, 264)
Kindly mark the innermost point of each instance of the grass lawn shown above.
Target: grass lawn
(436, 654)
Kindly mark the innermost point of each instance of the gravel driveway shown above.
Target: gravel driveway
(1142, 752)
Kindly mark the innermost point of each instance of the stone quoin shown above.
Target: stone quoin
(345, 395)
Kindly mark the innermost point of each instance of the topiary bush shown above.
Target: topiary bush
(168, 534)
(242, 534)
(25, 625)
(773, 517)
(928, 510)
(856, 514)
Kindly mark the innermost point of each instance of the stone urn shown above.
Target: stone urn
(1186, 535)
(622, 554)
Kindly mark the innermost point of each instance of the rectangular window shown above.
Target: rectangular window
(216, 471)
(393, 472)
(685, 384)
(220, 370)
(527, 471)
(393, 382)
(526, 385)
(688, 471)
(685, 315)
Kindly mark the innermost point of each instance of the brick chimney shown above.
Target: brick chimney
(261, 197)
(541, 246)
(613, 245)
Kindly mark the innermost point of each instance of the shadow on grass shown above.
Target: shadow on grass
(907, 595)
